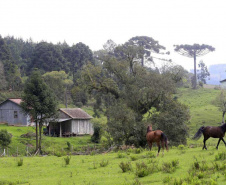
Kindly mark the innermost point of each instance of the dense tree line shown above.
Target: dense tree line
(121, 79)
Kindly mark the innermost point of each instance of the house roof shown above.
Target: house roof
(14, 100)
(76, 113)
(223, 81)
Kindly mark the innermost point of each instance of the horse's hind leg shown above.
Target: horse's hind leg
(218, 143)
(159, 147)
(162, 142)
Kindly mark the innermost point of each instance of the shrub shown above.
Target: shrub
(67, 160)
(104, 163)
(150, 154)
(220, 156)
(138, 150)
(20, 162)
(181, 147)
(170, 167)
(121, 155)
(5, 138)
(97, 133)
(125, 166)
(68, 145)
(133, 158)
(142, 169)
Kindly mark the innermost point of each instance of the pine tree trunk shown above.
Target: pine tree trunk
(195, 83)
(40, 138)
(36, 132)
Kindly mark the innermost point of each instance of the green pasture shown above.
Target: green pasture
(86, 169)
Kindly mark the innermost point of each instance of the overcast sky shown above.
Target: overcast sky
(93, 22)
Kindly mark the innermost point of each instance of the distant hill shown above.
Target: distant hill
(217, 73)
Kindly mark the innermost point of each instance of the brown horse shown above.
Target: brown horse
(215, 132)
(156, 136)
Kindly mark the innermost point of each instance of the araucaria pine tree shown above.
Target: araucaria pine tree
(39, 102)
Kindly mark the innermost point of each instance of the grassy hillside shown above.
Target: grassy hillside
(203, 112)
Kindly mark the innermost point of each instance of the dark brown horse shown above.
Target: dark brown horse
(215, 132)
(158, 137)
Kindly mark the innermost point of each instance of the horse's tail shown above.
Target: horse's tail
(164, 138)
(198, 133)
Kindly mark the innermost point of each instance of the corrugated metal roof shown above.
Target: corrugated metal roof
(76, 113)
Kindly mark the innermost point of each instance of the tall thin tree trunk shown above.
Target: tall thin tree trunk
(195, 84)
(40, 138)
(36, 132)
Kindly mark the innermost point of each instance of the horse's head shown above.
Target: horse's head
(149, 129)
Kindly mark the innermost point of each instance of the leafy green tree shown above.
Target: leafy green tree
(12, 74)
(79, 95)
(137, 90)
(171, 118)
(39, 102)
(77, 56)
(203, 73)
(176, 72)
(59, 83)
(48, 57)
(194, 51)
(5, 138)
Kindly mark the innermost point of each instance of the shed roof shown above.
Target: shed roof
(223, 81)
(14, 100)
(76, 113)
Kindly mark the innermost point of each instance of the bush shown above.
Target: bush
(20, 162)
(68, 145)
(121, 155)
(97, 133)
(133, 158)
(67, 160)
(5, 138)
(103, 163)
(170, 167)
(125, 166)
(142, 169)
(220, 156)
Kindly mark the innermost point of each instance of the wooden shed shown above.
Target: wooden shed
(71, 122)
(12, 113)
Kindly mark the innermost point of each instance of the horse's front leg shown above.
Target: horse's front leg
(150, 145)
(223, 140)
(218, 143)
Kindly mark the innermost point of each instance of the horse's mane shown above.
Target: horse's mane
(223, 127)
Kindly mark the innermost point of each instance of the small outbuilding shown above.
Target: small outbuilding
(12, 113)
(71, 122)
(223, 84)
